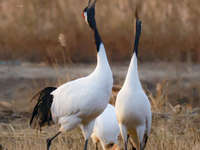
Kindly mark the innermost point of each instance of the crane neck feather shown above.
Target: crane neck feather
(97, 37)
(136, 45)
(132, 77)
(138, 27)
(102, 61)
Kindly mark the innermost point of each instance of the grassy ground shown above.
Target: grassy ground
(173, 127)
(30, 31)
(170, 131)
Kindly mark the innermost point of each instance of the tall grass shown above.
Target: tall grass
(169, 131)
(171, 30)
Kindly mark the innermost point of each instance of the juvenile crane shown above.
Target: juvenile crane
(106, 129)
(133, 108)
(80, 101)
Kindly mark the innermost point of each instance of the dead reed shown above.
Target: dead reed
(170, 30)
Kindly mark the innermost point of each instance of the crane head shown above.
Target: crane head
(89, 13)
(137, 24)
(137, 29)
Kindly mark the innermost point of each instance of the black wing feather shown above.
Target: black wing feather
(42, 110)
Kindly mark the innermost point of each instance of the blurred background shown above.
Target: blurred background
(47, 43)
(171, 30)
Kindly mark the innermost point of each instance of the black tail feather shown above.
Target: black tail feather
(42, 112)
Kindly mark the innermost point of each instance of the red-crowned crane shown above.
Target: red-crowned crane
(133, 108)
(80, 101)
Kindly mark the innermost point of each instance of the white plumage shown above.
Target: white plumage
(106, 129)
(82, 100)
(78, 102)
(133, 108)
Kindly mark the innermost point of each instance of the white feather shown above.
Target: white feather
(106, 129)
(133, 108)
(85, 16)
(82, 100)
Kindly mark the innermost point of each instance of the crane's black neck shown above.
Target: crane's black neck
(137, 37)
(92, 23)
(138, 27)
(97, 37)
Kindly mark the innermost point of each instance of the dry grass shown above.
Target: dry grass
(19, 136)
(170, 30)
(170, 130)
(175, 132)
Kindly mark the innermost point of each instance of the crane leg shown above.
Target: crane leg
(133, 148)
(125, 145)
(126, 142)
(50, 139)
(96, 146)
(86, 142)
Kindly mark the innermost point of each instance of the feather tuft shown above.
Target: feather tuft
(42, 110)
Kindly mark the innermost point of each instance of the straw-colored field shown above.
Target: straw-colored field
(32, 57)
(173, 128)
(168, 132)
(170, 30)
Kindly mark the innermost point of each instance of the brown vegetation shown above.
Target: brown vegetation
(172, 129)
(171, 30)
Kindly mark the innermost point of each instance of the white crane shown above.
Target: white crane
(80, 101)
(106, 129)
(133, 108)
